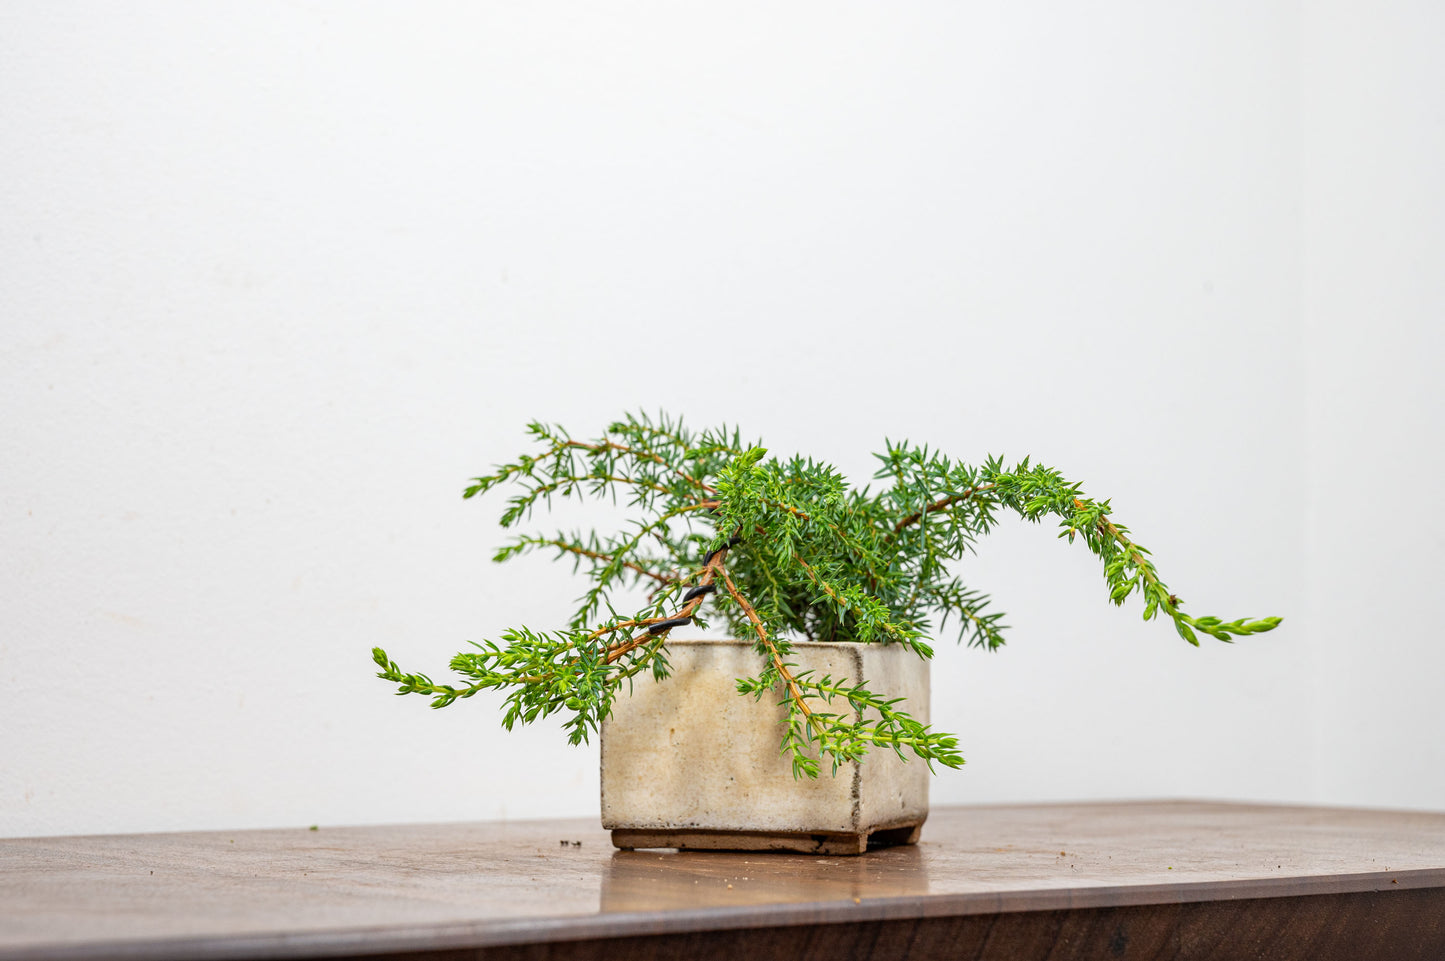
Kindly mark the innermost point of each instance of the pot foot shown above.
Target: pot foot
(798, 842)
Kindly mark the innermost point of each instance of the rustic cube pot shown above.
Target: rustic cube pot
(687, 762)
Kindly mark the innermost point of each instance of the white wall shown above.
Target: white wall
(276, 279)
(1373, 122)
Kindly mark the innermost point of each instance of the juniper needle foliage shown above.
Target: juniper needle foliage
(780, 551)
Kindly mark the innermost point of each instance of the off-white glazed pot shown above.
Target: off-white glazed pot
(687, 762)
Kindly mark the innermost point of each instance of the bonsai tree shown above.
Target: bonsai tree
(780, 551)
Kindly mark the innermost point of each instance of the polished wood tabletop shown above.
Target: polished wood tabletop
(1114, 880)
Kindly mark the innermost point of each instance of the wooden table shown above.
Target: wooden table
(1133, 880)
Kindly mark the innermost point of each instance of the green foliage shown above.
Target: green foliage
(781, 551)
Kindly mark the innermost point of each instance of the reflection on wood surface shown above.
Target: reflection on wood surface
(680, 880)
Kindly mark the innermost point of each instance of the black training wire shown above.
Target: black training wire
(698, 591)
(669, 624)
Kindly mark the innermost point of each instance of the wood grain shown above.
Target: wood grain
(1174, 877)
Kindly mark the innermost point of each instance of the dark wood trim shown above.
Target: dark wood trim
(1361, 926)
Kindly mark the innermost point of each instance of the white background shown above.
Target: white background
(276, 279)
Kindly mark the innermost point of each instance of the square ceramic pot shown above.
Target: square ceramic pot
(687, 762)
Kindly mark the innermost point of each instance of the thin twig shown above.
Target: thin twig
(941, 504)
(663, 579)
(793, 690)
(650, 455)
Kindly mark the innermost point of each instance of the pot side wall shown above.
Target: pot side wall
(690, 753)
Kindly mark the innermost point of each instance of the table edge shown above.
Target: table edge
(482, 934)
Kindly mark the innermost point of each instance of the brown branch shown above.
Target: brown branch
(594, 555)
(794, 691)
(621, 625)
(650, 455)
(1134, 552)
(706, 576)
(942, 504)
(795, 512)
(888, 627)
(819, 581)
(623, 480)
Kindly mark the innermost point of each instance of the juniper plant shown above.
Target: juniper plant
(780, 551)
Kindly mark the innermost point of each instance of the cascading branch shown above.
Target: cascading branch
(780, 550)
